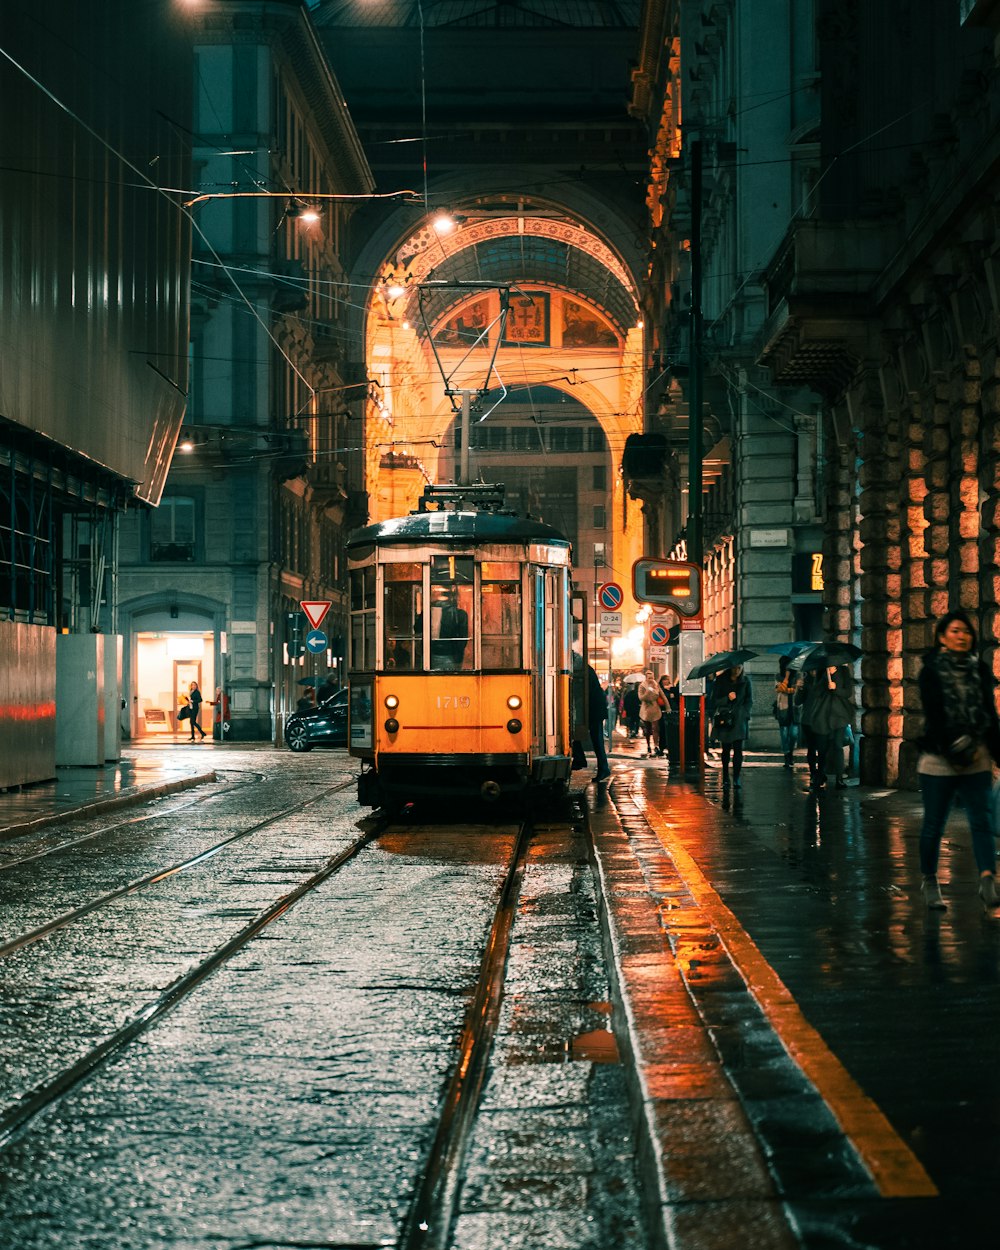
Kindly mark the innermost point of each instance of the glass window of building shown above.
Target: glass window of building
(172, 529)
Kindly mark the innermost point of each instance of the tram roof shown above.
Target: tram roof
(456, 527)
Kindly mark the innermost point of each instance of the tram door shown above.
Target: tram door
(545, 647)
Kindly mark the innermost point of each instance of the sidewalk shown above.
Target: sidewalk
(812, 1050)
(138, 776)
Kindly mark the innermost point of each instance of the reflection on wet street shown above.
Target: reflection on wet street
(827, 888)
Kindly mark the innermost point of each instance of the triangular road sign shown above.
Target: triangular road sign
(315, 610)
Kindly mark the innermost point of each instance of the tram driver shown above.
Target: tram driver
(451, 635)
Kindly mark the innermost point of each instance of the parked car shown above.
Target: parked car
(323, 726)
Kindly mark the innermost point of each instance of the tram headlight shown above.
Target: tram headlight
(514, 702)
(391, 702)
(392, 725)
(514, 726)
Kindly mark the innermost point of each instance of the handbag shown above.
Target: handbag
(961, 752)
(184, 713)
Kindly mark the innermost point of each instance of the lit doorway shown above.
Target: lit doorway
(166, 664)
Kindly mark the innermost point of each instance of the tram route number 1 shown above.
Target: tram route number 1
(453, 700)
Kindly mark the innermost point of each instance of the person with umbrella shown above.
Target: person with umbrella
(730, 703)
(826, 697)
(961, 734)
(784, 709)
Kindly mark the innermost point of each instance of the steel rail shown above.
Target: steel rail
(18, 1116)
(153, 878)
(10, 859)
(431, 1213)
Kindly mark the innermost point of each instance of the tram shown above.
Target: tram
(460, 662)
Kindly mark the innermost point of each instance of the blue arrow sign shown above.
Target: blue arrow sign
(610, 596)
(317, 641)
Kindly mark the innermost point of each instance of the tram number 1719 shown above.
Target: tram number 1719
(453, 700)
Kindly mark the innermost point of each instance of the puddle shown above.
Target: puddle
(597, 1046)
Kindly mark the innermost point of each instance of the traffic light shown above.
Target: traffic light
(668, 583)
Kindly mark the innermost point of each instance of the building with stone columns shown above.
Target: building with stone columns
(850, 245)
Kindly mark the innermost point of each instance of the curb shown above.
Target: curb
(705, 1181)
(136, 795)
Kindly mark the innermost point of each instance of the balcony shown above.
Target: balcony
(822, 324)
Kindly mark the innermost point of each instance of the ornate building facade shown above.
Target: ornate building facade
(850, 312)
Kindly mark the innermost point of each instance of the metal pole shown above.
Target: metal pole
(463, 473)
(695, 543)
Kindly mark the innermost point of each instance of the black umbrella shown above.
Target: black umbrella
(719, 663)
(825, 655)
(788, 648)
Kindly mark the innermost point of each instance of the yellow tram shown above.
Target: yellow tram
(460, 659)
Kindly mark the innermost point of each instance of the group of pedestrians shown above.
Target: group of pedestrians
(959, 745)
(818, 707)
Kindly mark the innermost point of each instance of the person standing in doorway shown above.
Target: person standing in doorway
(961, 736)
(194, 720)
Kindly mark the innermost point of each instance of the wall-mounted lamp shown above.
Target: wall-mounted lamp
(186, 442)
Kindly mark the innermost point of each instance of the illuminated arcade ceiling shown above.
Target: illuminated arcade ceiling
(519, 249)
(615, 14)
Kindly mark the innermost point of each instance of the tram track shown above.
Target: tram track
(9, 858)
(43, 1096)
(431, 1214)
(154, 878)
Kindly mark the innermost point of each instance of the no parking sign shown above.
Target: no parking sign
(610, 596)
(658, 635)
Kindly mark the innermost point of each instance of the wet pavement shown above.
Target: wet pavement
(815, 1054)
(833, 1046)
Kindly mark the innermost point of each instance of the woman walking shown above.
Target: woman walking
(961, 734)
(827, 710)
(194, 720)
(650, 711)
(784, 709)
(732, 702)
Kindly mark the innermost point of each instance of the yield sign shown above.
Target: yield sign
(315, 610)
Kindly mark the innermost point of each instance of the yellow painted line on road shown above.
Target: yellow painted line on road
(894, 1168)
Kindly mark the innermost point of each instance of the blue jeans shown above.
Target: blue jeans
(789, 737)
(938, 793)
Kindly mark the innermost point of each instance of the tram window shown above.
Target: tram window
(363, 619)
(500, 611)
(404, 642)
(451, 613)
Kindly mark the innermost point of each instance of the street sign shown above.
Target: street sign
(316, 641)
(658, 635)
(611, 623)
(657, 653)
(315, 610)
(610, 596)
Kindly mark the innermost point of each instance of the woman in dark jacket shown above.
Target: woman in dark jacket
(827, 699)
(961, 735)
(731, 705)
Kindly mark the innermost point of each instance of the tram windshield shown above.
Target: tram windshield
(452, 613)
